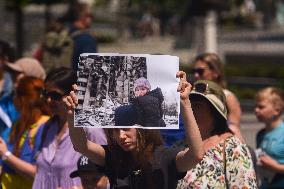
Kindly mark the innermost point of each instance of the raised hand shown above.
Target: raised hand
(71, 101)
(184, 87)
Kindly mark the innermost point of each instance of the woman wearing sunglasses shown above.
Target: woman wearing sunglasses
(227, 162)
(19, 155)
(208, 66)
(56, 158)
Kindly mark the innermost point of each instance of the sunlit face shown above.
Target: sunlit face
(206, 73)
(265, 111)
(126, 138)
(140, 91)
(92, 180)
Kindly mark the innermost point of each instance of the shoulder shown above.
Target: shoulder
(236, 149)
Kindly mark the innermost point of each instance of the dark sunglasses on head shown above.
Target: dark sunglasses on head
(199, 71)
(53, 95)
(201, 88)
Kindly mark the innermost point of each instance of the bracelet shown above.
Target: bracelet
(6, 155)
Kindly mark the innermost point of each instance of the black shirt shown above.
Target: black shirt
(164, 172)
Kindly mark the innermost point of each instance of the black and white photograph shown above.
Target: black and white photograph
(122, 90)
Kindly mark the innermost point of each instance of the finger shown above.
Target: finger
(67, 103)
(74, 87)
(74, 97)
(181, 75)
(71, 101)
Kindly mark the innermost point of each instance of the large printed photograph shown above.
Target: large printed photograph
(117, 91)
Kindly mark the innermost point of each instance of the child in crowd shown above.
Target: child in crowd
(91, 175)
(268, 110)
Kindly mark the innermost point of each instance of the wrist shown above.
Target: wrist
(185, 103)
(6, 155)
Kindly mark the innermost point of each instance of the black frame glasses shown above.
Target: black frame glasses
(199, 71)
(53, 95)
(201, 88)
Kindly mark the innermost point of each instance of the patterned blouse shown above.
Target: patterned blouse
(209, 173)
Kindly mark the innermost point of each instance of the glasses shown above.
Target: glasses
(53, 95)
(199, 71)
(201, 88)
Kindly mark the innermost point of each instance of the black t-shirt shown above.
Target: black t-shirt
(164, 172)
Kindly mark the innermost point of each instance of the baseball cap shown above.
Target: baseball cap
(84, 164)
(29, 67)
(211, 92)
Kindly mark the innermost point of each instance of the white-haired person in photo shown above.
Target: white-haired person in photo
(148, 104)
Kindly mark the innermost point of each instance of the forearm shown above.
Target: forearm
(277, 167)
(194, 140)
(22, 167)
(81, 144)
(77, 135)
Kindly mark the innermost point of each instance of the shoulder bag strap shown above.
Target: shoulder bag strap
(225, 164)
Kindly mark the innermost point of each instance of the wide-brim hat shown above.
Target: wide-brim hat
(213, 93)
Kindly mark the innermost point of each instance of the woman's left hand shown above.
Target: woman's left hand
(3, 147)
(184, 87)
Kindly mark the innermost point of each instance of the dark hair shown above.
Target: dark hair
(63, 78)
(215, 64)
(75, 11)
(6, 51)
(147, 142)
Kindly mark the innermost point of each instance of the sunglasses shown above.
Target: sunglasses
(53, 95)
(199, 71)
(201, 88)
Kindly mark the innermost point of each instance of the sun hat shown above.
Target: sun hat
(29, 67)
(85, 165)
(213, 93)
(142, 82)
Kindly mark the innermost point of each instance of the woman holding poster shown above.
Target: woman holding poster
(136, 158)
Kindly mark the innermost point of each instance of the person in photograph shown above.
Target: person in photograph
(136, 158)
(91, 175)
(19, 153)
(208, 66)
(148, 104)
(227, 162)
(268, 110)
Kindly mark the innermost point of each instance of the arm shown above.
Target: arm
(270, 163)
(234, 114)
(22, 167)
(186, 159)
(78, 136)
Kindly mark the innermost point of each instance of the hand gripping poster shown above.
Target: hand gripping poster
(127, 90)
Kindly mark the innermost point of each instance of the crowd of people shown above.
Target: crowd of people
(41, 149)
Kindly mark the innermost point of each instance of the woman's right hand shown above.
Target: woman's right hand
(71, 100)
